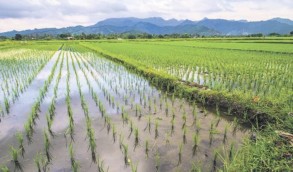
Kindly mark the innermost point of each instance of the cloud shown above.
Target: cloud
(29, 14)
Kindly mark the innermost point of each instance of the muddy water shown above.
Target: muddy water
(119, 89)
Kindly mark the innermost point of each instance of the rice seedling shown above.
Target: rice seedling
(121, 139)
(157, 160)
(147, 149)
(173, 114)
(184, 135)
(134, 167)
(195, 168)
(49, 124)
(74, 164)
(125, 152)
(167, 109)
(136, 110)
(29, 132)
(196, 140)
(156, 129)
(180, 154)
(41, 162)
(7, 105)
(184, 120)
(47, 147)
(172, 126)
(198, 126)
(140, 114)
(231, 152)
(218, 121)
(235, 125)
(149, 124)
(225, 133)
(212, 132)
(101, 167)
(108, 124)
(4, 169)
(114, 132)
(216, 155)
(136, 137)
(161, 103)
(14, 155)
(20, 142)
(130, 128)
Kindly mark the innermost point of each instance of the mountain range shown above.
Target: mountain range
(157, 25)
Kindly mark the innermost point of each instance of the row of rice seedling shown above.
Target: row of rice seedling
(50, 116)
(18, 68)
(43, 160)
(70, 129)
(29, 125)
(90, 131)
(95, 158)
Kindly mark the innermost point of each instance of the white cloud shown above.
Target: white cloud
(29, 14)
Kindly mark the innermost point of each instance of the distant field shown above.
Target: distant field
(269, 46)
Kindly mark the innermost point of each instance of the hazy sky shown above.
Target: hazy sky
(30, 14)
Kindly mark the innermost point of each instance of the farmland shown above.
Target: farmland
(159, 105)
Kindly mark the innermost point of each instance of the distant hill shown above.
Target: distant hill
(157, 25)
(230, 27)
(285, 21)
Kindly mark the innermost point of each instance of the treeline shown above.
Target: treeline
(83, 36)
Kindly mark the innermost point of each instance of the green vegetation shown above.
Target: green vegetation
(250, 80)
(229, 98)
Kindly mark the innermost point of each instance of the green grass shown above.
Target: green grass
(269, 152)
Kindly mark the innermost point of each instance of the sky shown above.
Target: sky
(30, 14)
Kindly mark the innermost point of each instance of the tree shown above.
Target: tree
(160, 36)
(131, 36)
(256, 35)
(18, 37)
(3, 37)
(64, 35)
(291, 33)
(149, 36)
(274, 34)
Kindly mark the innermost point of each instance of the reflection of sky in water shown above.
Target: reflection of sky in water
(118, 82)
(20, 110)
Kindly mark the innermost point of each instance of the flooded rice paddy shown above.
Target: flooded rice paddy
(97, 115)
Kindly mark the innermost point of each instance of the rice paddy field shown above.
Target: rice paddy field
(146, 105)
